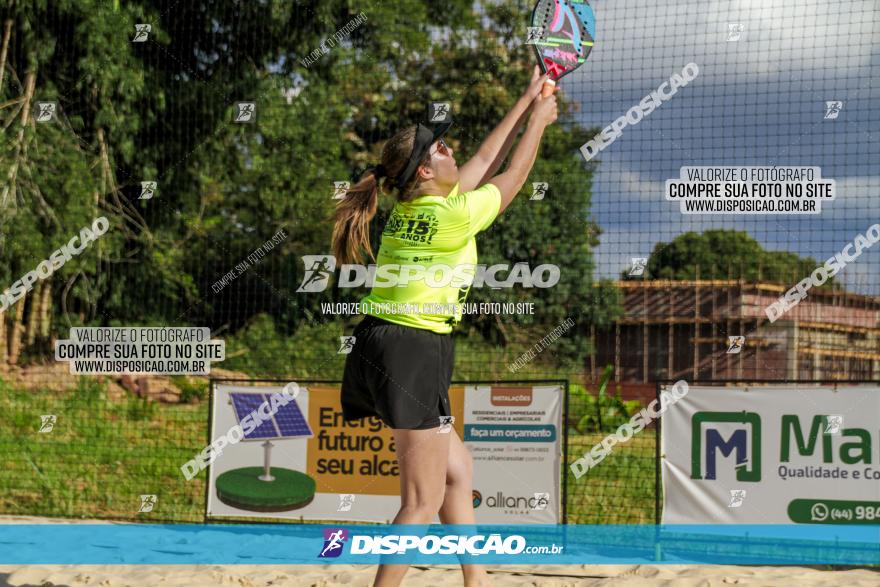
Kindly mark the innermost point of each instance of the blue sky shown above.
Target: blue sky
(757, 101)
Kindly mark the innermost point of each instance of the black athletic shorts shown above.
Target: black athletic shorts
(398, 373)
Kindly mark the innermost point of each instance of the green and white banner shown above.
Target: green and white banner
(773, 454)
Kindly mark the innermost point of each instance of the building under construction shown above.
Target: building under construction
(680, 329)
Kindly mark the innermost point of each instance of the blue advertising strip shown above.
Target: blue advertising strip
(487, 544)
(509, 433)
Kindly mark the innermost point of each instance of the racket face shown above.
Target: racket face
(568, 32)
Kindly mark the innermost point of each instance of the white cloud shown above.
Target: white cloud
(634, 38)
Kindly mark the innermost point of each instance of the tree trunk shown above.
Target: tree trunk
(12, 175)
(33, 315)
(3, 336)
(45, 316)
(15, 336)
(7, 32)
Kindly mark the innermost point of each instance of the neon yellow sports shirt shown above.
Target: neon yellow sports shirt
(428, 232)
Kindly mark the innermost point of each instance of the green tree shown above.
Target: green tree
(162, 110)
(724, 254)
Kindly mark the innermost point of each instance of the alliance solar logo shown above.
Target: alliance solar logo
(334, 542)
(737, 433)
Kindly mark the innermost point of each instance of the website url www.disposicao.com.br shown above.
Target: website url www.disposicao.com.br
(431, 544)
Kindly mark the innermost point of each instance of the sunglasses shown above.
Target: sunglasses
(442, 148)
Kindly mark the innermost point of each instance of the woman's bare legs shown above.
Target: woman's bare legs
(422, 456)
(458, 504)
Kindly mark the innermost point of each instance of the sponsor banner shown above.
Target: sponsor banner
(773, 454)
(513, 433)
(310, 544)
(334, 470)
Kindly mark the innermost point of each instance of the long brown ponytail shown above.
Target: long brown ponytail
(352, 220)
(351, 236)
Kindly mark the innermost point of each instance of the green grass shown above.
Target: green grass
(618, 490)
(102, 455)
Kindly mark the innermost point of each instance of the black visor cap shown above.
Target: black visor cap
(425, 137)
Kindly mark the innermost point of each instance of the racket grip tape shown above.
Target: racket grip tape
(548, 88)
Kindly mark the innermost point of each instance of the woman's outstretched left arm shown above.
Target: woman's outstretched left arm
(495, 148)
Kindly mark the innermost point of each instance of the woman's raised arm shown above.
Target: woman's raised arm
(511, 181)
(495, 148)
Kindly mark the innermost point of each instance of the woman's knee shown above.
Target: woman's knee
(460, 470)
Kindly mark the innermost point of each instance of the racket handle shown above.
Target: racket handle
(548, 88)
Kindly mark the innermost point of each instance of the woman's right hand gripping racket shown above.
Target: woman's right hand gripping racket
(562, 33)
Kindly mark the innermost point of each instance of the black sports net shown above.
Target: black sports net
(203, 131)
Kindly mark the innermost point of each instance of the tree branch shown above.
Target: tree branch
(30, 83)
(7, 33)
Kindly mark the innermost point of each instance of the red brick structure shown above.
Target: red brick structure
(679, 329)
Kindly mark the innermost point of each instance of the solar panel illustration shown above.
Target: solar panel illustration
(287, 422)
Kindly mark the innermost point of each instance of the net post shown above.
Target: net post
(657, 487)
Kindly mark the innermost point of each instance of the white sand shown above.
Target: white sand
(358, 576)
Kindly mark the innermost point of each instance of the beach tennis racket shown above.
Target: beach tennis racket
(562, 33)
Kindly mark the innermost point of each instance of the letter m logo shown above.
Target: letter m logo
(745, 444)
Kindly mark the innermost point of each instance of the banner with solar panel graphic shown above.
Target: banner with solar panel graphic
(291, 456)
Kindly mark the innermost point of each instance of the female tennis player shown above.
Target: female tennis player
(400, 367)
